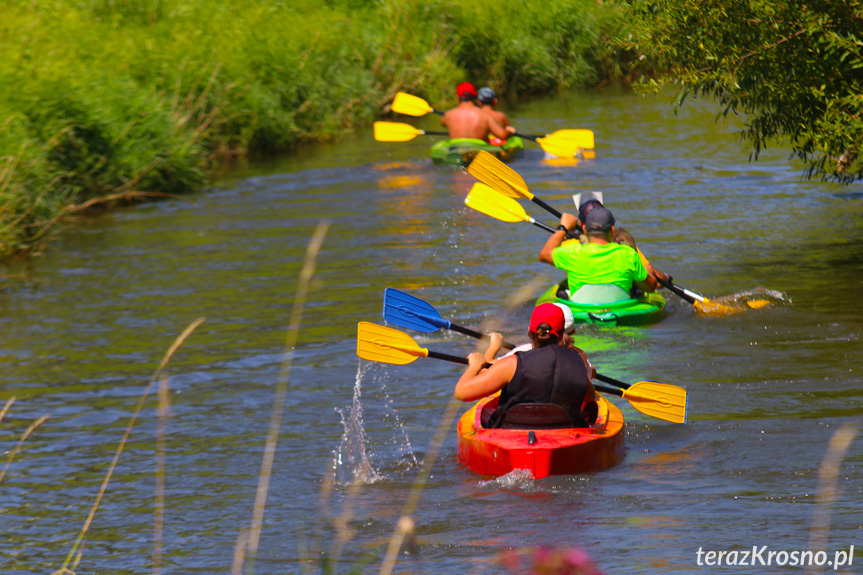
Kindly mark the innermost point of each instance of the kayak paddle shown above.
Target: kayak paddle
(387, 345)
(504, 179)
(412, 105)
(660, 400)
(398, 132)
(705, 305)
(405, 310)
(492, 203)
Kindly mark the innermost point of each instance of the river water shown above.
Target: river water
(768, 388)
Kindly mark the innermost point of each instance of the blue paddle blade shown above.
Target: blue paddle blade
(408, 311)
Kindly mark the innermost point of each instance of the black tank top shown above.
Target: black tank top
(548, 374)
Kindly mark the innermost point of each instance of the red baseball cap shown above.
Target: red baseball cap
(548, 314)
(465, 90)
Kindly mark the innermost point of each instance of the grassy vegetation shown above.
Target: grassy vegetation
(103, 101)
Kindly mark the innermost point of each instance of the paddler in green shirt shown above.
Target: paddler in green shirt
(601, 260)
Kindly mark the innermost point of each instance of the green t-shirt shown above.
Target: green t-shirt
(595, 264)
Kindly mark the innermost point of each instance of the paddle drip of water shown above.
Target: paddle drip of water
(351, 465)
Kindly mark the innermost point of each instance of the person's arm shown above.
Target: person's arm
(495, 128)
(506, 125)
(657, 274)
(648, 284)
(591, 371)
(569, 222)
(495, 343)
(476, 383)
(443, 119)
(650, 269)
(589, 395)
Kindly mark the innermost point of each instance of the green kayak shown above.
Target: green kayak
(460, 151)
(623, 310)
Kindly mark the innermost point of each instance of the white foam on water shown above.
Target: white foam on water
(516, 480)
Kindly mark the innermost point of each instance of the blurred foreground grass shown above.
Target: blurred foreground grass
(105, 102)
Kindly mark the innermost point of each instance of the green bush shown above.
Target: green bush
(103, 100)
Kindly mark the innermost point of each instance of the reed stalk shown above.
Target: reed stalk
(245, 554)
(30, 429)
(71, 559)
(828, 490)
(159, 499)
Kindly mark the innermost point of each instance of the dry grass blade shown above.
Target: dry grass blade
(828, 489)
(27, 433)
(159, 502)
(405, 526)
(6, 407)
(405, 521)
(171, 350)
(303, 284)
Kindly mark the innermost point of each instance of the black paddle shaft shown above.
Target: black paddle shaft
(476, 334)
(676, 290)
(452, 358)
(546, 207)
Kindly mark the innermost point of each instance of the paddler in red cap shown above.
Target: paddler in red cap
(467, 120)
(551, 372)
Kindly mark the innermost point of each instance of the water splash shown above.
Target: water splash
(516, 480)
(404, 445)
(351, 464)
(753, 299)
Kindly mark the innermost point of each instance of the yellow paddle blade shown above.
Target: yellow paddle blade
(387, 345)
(710, 307)
(499, 176)
(580, 138)
(658, 400)
(559, 148)
(492, 203)
(395, 132)
(411, 105)
(713, 307)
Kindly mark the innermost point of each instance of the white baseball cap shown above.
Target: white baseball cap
(568, 318)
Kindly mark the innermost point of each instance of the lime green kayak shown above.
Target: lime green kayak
(460, 151)
(648, 308)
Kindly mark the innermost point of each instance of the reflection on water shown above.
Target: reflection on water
(767, 387)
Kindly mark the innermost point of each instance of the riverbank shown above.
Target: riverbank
(106, 103)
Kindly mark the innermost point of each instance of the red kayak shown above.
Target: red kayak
(544, 451)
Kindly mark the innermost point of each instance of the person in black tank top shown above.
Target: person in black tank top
(552, 372)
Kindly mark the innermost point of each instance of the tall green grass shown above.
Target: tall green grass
(105, 101)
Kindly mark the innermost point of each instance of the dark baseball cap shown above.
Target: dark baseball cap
(599, 219)
(585, 208)
(486, 95)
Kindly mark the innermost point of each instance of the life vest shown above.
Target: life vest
(548, 374)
